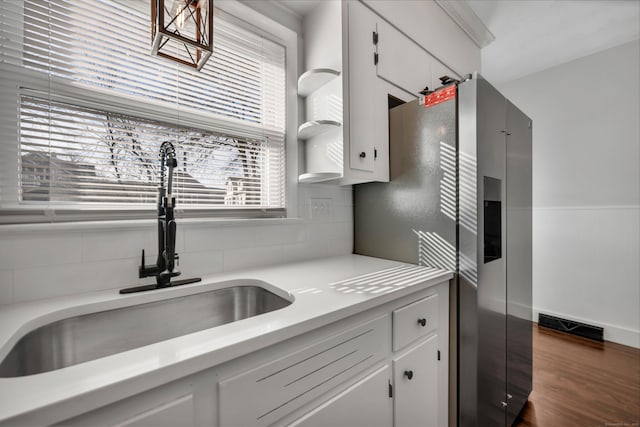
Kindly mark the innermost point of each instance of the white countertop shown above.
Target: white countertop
(323, 291)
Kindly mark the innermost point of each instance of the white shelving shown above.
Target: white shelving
(316, 127)
(312, 80)
(308, 178)
(314, 85)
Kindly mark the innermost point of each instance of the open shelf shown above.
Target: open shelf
(314, 128)
(314, 79)
(307, 178)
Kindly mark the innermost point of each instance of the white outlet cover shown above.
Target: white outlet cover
(321, 208)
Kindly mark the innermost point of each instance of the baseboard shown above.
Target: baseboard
(612, 333)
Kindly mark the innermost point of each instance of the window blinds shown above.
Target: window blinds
(85, 107)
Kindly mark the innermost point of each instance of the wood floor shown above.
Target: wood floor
(582, 383)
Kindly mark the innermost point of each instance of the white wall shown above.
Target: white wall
(586, 189)
(45, 261)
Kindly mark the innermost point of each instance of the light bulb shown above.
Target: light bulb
(180, 13)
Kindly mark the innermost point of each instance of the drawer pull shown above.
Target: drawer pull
(408, 374)
(422, 322)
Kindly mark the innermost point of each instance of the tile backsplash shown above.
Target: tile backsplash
(47, 262)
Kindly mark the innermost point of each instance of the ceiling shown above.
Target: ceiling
(300, 7)
(533, 35)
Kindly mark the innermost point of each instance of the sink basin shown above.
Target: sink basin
(87, 337)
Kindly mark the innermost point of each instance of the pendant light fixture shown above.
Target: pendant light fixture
(182, 30)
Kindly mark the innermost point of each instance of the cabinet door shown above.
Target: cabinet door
(366, 404)
(137, 412)
(401, 61)
(184, 402)
(519, 240)
(362, 99)
(415, 375)
(297, 377)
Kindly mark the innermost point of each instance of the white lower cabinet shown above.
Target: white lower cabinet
(385, 367)
(415, 375)
(299, 374)
(179, 412)
(364, 404)
(184, 403)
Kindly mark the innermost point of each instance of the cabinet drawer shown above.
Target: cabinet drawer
(265, 394)
(414, 321)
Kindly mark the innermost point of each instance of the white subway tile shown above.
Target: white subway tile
(197, 264)
(113, 244)
(304, 211)
(347, 196)
(343, 213)
(198, 239)
(326, 231)
(303, 194)
(33, 250)
(325, 191)
(348, 230)
(235, 259)
(304, 251)
(278, 234)
(339, 247)
(6, 287)
(60, 280)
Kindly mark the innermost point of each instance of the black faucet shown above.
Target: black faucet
(165, 267)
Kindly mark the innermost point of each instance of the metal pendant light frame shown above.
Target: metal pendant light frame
(197, 49)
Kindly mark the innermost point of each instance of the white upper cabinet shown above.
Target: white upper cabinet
(401, 61)
(339, 36)
(356, 58)
(363, 97)
(430, 26)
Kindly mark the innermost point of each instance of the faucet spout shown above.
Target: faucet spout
(166, 220)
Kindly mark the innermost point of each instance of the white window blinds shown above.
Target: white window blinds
(85, 107)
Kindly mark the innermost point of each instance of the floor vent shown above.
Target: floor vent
(569, 326)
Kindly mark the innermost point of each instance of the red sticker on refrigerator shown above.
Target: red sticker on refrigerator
(440, 96)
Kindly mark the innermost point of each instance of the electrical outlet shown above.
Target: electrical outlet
(321, 208)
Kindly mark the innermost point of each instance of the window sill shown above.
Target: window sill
(143, 223)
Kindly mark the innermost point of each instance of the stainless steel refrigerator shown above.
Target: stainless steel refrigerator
(459, 197)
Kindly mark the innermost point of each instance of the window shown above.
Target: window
(85, 107)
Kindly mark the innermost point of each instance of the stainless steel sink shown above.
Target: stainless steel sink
(79, 339)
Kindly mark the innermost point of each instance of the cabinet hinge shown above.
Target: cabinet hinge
(375, 58)
(375, 37)
(438, 354)
(390, 389)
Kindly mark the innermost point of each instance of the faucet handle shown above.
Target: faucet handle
(144, 271)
